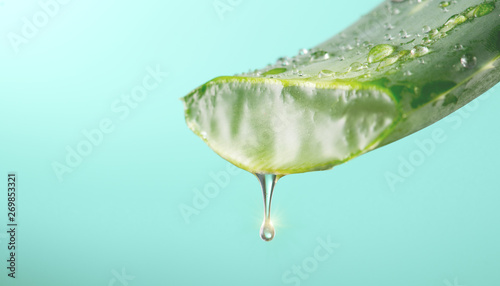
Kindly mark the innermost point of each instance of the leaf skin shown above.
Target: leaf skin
(369, 86)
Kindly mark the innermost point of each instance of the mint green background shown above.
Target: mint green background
(119, 209)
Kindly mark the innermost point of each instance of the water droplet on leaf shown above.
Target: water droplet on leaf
(320, 55)
(468, 61)
(380, 52)
(444, 4)
(419, 51)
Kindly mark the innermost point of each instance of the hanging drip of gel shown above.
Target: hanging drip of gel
(267, 182)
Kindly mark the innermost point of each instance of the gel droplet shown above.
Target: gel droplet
(326, 73)
(452, 22)
(444, 4)
(380, 52)
(403, 34)
(356, 67)
(267, 182)
(419, 51)
(468, 61)
(320, 55)
(274, 71)
(480, 10)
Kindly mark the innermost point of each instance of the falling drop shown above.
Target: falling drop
(267, 182)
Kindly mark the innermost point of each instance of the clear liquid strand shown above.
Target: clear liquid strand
(267, 182)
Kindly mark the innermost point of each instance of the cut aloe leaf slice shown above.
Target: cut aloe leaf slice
(400, 68)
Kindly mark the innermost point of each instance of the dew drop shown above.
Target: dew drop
(452, 22)
(403, 34)
(325, 73)
(388, 26)
(284, 61)
(426, 40)
(444, 4)
(274, 71)
(419, 51)
(303, 52)
(468, 61)
(433, 33)
(320, 55)
(459, 47)
(356, 67)
(380, 52)
(426, 29)
(480, 10)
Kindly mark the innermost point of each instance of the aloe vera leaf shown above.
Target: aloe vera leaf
(402, 67)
